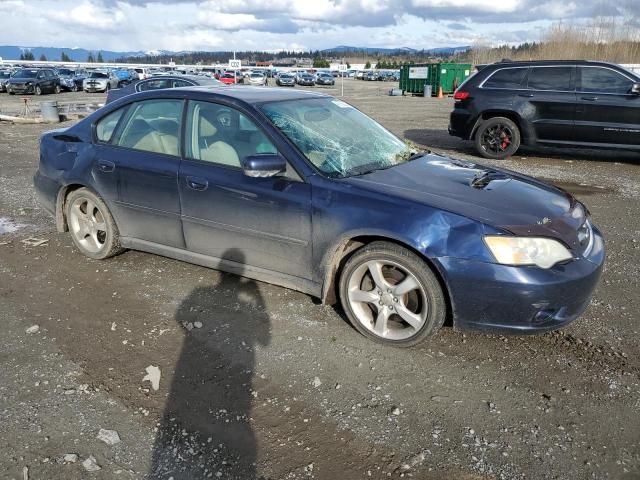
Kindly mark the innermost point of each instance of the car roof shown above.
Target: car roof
(255, 95)
(533, 63)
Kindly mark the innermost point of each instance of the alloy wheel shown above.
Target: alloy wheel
(387, 299)
(497, 138)
(87, 224)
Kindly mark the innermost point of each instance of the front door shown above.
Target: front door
(261, 222)
(607, 110)
(142, 159)
(552, 100)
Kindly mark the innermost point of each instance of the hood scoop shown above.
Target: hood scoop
(489, 180)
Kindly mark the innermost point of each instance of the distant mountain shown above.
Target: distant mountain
(396, 51)
(11, 52)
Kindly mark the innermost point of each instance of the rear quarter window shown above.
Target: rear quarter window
(506, 78)
(107, 124)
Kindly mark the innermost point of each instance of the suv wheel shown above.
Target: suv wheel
(391, 295)
(91, 225)
(38, 90)
(57, 89)
(497, 138)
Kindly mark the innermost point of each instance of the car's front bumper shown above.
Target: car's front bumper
(20, 89)
(508, 299)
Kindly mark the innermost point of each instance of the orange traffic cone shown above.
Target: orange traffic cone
(440, 94)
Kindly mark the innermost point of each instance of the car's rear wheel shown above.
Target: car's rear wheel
(391, 295)
(497, 138)
(91, 225)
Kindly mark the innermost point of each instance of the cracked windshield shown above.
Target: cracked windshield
(337, 138)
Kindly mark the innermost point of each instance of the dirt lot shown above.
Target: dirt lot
(257, 381)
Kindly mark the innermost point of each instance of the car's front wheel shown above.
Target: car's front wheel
(497, 138)
(391, 295)
(57, 89)
(38, 90)
(91, 225)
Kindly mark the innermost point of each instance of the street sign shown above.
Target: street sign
(235, 63)
(342, 67)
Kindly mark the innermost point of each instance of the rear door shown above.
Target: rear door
(141, 160)
(551, 98)
(607, 110)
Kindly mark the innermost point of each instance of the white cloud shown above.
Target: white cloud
(282, 24)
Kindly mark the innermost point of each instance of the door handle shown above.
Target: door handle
(526, 95)
(590, 99)
(106, 166)
(197, 183)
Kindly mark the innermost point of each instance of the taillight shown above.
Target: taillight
(461, 95)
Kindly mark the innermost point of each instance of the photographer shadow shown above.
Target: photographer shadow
(206, 427)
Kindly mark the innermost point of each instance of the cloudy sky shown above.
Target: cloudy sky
(287, 24)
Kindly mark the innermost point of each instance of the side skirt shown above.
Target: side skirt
(249, 271)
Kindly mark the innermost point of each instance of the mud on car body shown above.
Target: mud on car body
(320, 198)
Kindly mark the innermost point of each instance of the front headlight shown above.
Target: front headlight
(543, 252)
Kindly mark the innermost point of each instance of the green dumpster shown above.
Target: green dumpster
(447, 76)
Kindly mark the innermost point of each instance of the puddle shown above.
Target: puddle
(581, 189)
(7, 226)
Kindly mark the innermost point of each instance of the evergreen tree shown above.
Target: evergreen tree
(367, 65)
(90, 58)
(28, 56)
(65, 58)
(22, 56)
(43, 58)
(99, 59)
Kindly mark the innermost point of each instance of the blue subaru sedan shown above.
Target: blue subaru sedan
(303, 190)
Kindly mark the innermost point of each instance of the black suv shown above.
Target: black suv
(33, 80)
(562, 103)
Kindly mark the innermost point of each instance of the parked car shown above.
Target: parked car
(228, 78)
(100, 82)
(300, 189)
(305, 79)
(142, 73)
(324, 79)
(124, 76)
(4, 78)
(257, 78)
(70, 80)
(286, 80)
(33, 80)
(157, 83)
(560, 103)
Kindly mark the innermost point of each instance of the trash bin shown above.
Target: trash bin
(49, 112)
(428, 91)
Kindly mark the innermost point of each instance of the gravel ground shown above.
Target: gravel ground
(256, 381)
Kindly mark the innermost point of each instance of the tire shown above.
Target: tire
(74, 88)
(92, 228)
(38, 90)
(57, 89)
(108, 88)
(381, 312)
(497, 138)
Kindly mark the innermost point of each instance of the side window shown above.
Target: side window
(40, 74)
(180, 83)
(222, 135)
(506, 78)
(551, 78)
(107, 124)
(156, 84)
(153, 126)
(603, 80)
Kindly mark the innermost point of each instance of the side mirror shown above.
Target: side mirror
(265, 165)
(635, 88)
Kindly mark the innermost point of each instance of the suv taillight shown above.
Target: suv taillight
(461, 95)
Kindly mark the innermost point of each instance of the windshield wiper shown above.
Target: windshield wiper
(368, 168)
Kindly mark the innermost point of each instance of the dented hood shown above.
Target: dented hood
(497, 197)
